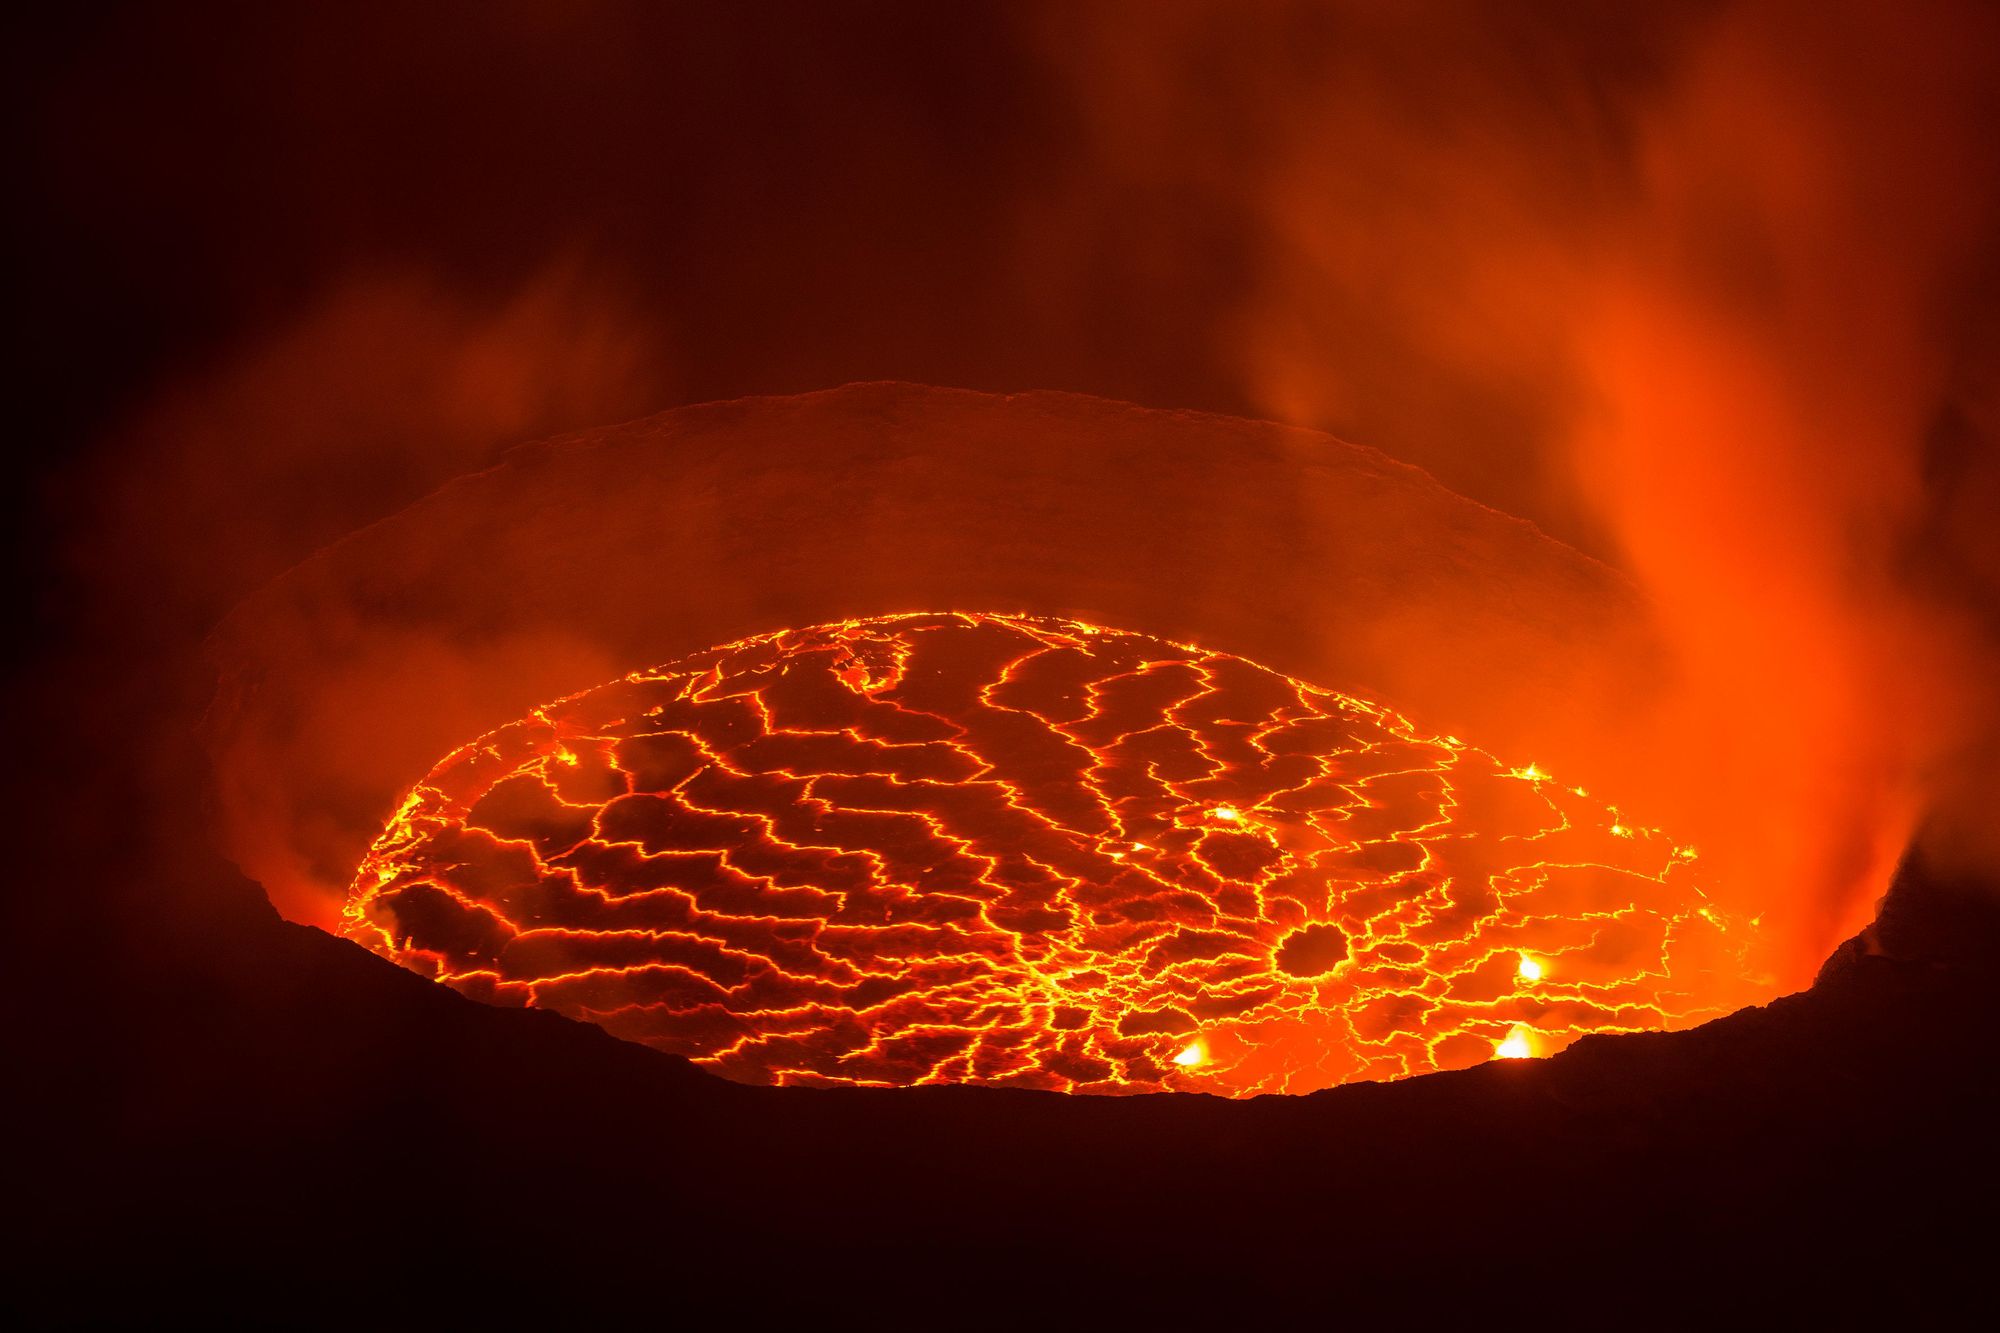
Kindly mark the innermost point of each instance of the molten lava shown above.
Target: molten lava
(1005, 849)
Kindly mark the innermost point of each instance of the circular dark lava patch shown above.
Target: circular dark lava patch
(1016, 850)
(1312, 950)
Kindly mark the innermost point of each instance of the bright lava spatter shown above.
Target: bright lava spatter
(1006, 849)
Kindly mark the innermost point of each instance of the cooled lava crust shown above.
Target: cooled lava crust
(1017, 850)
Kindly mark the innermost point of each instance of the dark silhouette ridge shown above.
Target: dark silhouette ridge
(291, 1125)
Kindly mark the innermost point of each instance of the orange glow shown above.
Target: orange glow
(1725, 342)
(1516, 1045)
(1015, 850)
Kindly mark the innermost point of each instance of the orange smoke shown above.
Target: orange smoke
(1689, 290)
(386, 387)
(1694, 288)
(1765, 348)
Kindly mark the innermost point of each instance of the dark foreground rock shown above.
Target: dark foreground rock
(287, 1129)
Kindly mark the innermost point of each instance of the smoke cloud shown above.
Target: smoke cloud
(384, 388)
(1703, 289)
(1698, 292)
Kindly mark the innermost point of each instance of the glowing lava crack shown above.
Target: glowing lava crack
(1013, 850)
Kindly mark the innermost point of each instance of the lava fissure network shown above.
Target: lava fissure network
(1017, 850)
